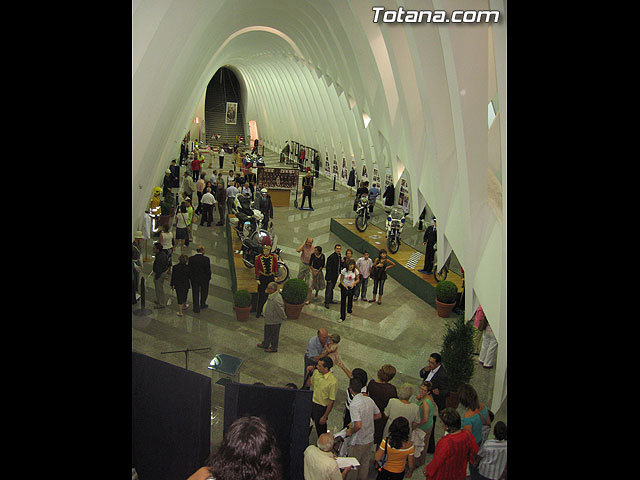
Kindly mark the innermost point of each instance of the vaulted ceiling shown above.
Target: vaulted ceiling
(313, 71)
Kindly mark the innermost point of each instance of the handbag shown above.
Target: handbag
(381, 463)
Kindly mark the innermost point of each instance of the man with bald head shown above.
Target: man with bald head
(320, 463)
(315, 349)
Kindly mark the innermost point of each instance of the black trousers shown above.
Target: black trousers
(199, 208)
(221, 208)
(262, 294)
(199, 293)
(306, 194)
(428, 258)
(221, 161)
(317, 411)
(328, 291)
(346, 301)
(207, 214)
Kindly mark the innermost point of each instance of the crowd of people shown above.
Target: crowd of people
(352, 276)
(385, 427)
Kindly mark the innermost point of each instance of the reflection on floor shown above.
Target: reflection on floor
(402, 331)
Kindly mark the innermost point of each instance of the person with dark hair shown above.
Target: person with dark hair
(161, 270)
(182, 223)
(362, 376)
(492, 455)
(426, 404)
(435, 373)
(430, 238)
(221, 200)
(307, 186)
(381, 391)
(316, 264)
(349, 278)
(453, 451)
(380, 267)
(180, 278)
(332, 270)
(476, 415)
(200, 277)
(249, 451)
(323, 383)
(364, 412)
(399, 451)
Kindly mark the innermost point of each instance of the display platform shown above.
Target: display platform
(408, 260)
(279, 196)
(242, 278)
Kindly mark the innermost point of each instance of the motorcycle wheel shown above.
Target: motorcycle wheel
(441, 275)
(283, 273)
(247, 260)
(393, 243)
(361, 223)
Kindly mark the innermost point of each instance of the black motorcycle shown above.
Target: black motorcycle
(251, 249)
(362, 213)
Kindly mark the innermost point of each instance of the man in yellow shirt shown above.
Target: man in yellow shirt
(324, 384)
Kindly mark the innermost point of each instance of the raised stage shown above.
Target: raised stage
(242, 278)
(408, 260)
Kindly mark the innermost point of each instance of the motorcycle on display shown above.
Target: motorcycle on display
(252, 248)
(362, 213)
(248, 220)
(395, 225)
(440, 274)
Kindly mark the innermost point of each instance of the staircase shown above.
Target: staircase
(218, 94)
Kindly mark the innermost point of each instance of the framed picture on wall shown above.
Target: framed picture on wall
(231, 116)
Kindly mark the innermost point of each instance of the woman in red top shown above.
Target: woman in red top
(453, 451)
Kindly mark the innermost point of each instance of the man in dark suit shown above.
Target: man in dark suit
(430, 238)
(332, 271)
(435, 373)
(200, 277)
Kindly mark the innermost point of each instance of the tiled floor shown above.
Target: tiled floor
(402, 331)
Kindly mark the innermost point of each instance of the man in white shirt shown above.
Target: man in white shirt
(232, 192)
(208, 201)
(363, 412)
(363, 264)
(320, 463)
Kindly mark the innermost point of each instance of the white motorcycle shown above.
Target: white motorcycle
(395, 225)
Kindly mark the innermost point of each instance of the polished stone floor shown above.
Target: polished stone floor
(402, 331)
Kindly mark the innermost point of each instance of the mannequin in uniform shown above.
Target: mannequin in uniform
(266, 266)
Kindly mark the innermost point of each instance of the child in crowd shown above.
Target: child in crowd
(332, 348)
(493, 455)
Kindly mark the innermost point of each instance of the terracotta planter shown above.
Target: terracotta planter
(444, 309)
(242, 313)
(292, 310)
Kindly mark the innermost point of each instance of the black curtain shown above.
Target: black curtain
(170, 419)
(287, 412)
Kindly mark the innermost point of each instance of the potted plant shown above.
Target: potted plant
(446, 293)
(294, 293)
(167, 209)
(457, 355)
(242, 304)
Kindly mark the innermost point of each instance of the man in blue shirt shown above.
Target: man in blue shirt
(315, 349)
(374, 192)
